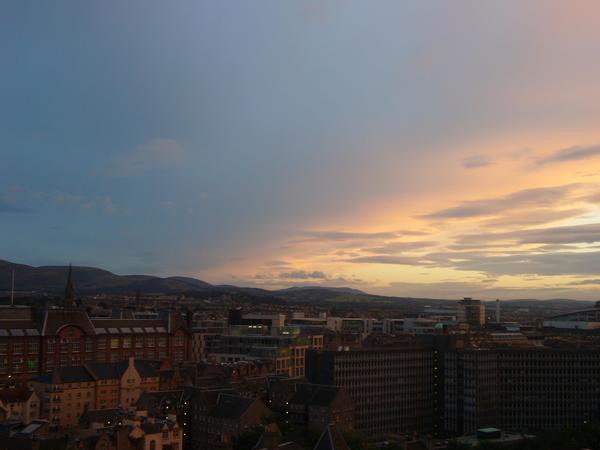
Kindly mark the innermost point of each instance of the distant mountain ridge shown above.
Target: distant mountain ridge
(89, 280)
(92, 280)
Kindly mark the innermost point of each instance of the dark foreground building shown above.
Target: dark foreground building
(393, 389)
(524, 389)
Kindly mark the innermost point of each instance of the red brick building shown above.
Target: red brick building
(34, 341)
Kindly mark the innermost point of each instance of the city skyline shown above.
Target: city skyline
(414, 150)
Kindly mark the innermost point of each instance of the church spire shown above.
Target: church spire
(69, 289)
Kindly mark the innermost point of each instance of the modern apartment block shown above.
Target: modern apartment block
(393, 389)
(471, 312)
(521, 389)
(285, 347)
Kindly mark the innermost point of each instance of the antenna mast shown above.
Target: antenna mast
(12, 289)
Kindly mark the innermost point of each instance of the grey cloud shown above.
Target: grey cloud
(396, 247)
(586, 233)
(571, 154)
(486, 291)
(347, 236)
(302, 275)
(476, 162)
(385, 259)
(534, 217)
(537, 197)
(585, 282)
(522, 263)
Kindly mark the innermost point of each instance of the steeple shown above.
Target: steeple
(69, 289)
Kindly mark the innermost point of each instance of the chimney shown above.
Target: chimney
(497, 310)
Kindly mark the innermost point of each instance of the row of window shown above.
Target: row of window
(19, 347)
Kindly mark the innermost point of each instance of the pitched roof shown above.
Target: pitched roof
(66, 375)
(151, 400)
(100, 415)
(231, 406)
(147, 369)
(12, 395)
(331, 439)
(55, 319)
(314, 394)
(115, 370)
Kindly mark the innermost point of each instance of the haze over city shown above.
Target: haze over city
(413, 149)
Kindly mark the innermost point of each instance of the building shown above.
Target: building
(521, 388)
(285, 347)
(585, 319)
(19, 404)
(205, 337)
(221, 416)
(67, 392)
(36, 341)
(471, 312)
(317, 406)
(157, 434)
(393, 389)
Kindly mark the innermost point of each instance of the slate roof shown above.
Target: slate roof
(100, 415)
(110, 371)
(331, 439)
(66, 375)
(55, 319)
(151, 400)
(314, 394)
(231, 406)
(15, 395)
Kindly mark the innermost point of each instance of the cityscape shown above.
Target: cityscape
(232, 368)
(299, 225)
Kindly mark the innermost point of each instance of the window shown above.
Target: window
(153, 445)
(3, 365)
(32, 365)
(127, 342)
(114, 357)
(139, 342)
(17, 348)
(149, 341)
(179, 340)
(101, 344)
(34, 347)
(114, 343)
(64, 347)
(165, 435)
(89, 345)
(17, 365)
(162, 341)
(3, 348)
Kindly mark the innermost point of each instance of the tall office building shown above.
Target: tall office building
(394, 389)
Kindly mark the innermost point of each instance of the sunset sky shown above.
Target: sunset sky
(414, 148)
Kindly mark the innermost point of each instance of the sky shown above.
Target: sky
(417, 148)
